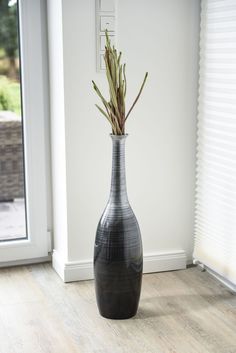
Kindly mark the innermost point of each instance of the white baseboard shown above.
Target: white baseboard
(83, 270)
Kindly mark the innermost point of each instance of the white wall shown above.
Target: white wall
(161, 37)
(57, 116)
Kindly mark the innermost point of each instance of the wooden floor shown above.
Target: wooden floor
(180, 312)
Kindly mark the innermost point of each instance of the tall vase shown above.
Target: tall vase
(118, 255)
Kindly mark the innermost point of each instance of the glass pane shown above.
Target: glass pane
(12, 190)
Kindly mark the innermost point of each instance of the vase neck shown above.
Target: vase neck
(118, 191)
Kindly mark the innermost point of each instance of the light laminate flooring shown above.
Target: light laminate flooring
(185, 311)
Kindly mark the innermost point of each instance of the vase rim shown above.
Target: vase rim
(119, 137)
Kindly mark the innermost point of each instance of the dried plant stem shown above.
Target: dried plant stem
(116, 77)
(136, 99)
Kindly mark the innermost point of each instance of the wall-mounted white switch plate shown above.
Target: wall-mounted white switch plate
(107, 22)
(107, 5)
(105, 19)
(103, 41)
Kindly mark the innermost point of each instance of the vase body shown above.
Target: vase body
(118, 256)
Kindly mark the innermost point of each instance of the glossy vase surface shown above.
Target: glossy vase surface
(118, 257)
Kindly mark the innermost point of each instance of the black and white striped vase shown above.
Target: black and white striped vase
(118, 255)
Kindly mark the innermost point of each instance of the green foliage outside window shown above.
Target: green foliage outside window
(10, 95)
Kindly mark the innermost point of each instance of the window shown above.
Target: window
(215, 227)
(32, 32)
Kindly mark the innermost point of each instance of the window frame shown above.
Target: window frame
(34, 88)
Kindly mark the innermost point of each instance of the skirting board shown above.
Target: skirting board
(83, 270)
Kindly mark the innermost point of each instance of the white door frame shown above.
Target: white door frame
(35, 112)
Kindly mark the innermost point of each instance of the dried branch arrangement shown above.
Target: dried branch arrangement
(114, 109)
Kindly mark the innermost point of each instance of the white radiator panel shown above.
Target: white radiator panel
(215, 214)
